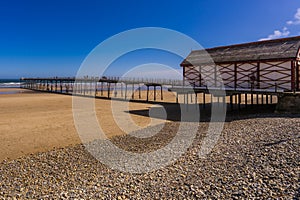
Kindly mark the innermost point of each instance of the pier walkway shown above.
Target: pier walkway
(131, 89)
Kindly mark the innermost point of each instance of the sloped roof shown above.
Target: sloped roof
(279, 49)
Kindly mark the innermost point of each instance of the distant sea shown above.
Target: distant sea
(10, 83)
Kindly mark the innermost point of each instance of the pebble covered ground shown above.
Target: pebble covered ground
(257, 157)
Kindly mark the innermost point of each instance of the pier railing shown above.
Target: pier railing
(94, 86)
(130, 88)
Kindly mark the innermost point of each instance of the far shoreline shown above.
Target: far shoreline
(12, 90)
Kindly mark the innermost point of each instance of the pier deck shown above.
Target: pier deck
(114, 87)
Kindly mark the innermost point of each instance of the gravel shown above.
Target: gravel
(257, 157)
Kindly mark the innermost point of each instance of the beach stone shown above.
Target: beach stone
(255, 157)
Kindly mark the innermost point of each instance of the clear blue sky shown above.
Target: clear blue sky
(51, 38)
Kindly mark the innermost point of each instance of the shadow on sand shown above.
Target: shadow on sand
(175, 111)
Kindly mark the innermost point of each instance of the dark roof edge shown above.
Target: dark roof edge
(184, 64)
(251, 43)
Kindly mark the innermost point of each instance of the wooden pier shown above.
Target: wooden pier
(235, 96)
(131, 89)
(109, 87)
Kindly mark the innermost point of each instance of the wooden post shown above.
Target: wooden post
(215, 75)
(96, 88)
(235, 76)
(84, 87)
(204, 100)
(240, 99)
(108, 89)
(91, 86)
(125, 90)
(161, 92)
(258, 75)
(132, 91)
(140, 95)
(293, 76)
(297, 76)
(183, 81)
(55, 85)
(231, 102)
(187, 98)
(61, 86)
(236, 99)
(122, 90)
(147, 93)
(115, 90)
(154, 93)
(271, 99)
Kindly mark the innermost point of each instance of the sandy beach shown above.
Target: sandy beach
(257, 154)
(33, 122)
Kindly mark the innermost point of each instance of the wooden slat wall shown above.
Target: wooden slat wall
(256, 75)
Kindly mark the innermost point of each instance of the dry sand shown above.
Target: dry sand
(33, 122)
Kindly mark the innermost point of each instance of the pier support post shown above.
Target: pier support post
(132, 96)
(271, 99)
(154, 93)
(204, 103)
(122, 90)
(115, 90)
(231, 102)
(161, 93)
(240, 99)
(147, 93)
(125, 90)
(108, 90)
(140, 95)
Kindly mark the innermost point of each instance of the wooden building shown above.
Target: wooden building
(263, 65)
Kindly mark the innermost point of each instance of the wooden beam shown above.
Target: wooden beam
(258, 75)
(235, 76)
(183, 81)
(298, 75)
(293, 76)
